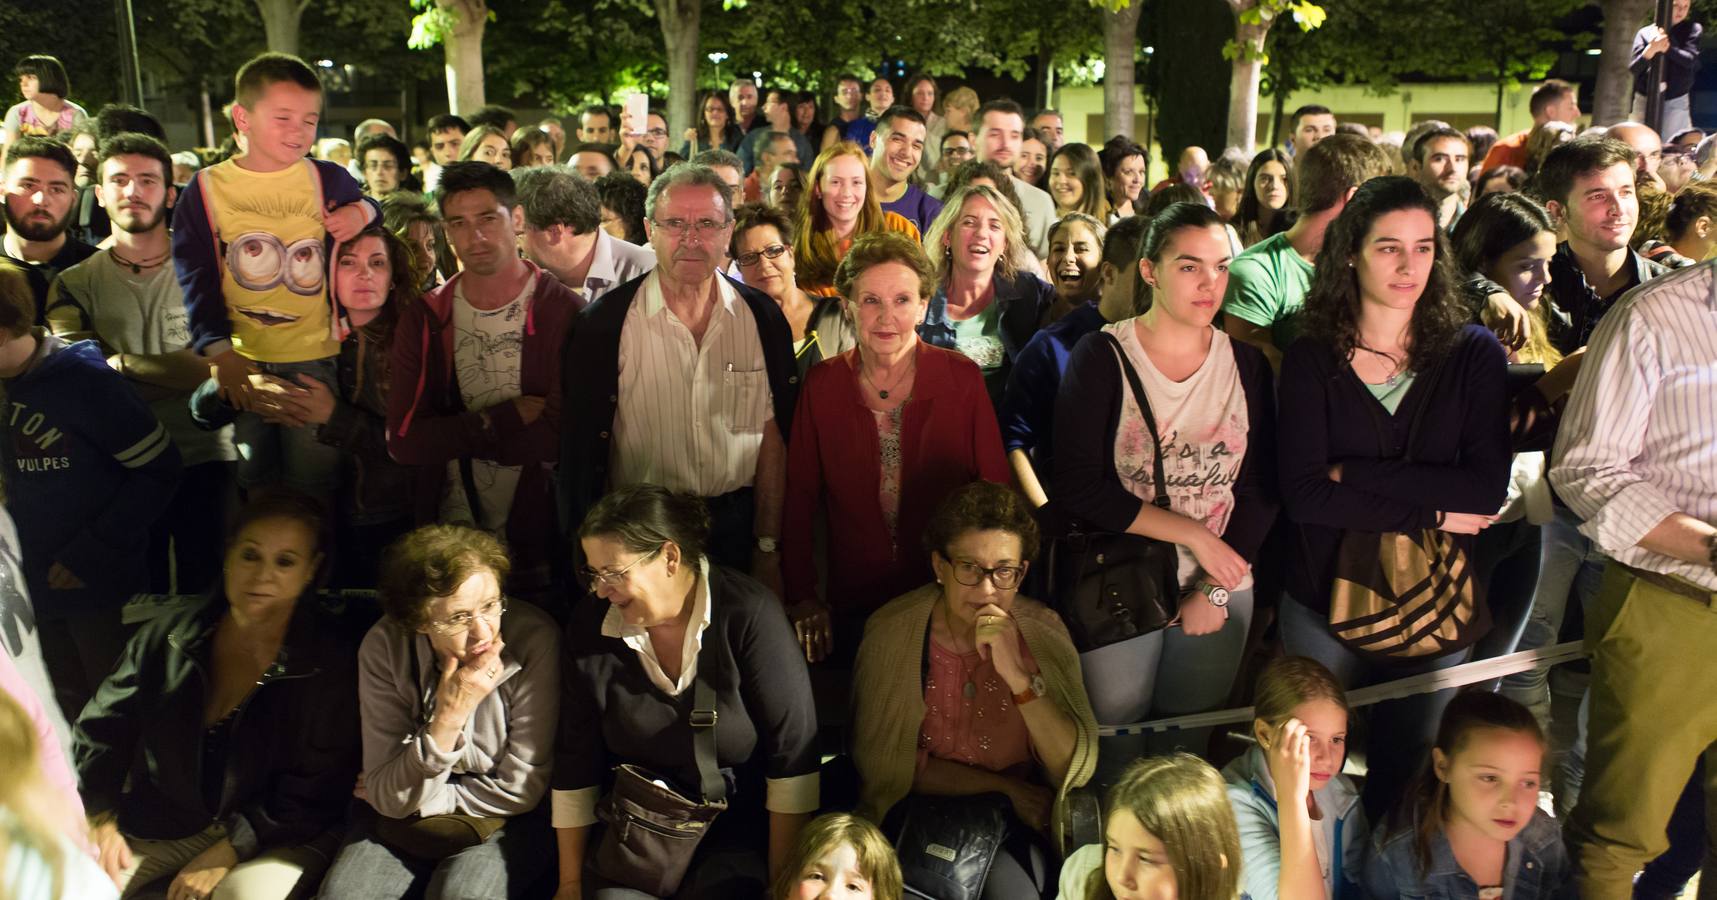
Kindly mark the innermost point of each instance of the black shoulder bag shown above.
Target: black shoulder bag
(1112, 586)
(654, 830)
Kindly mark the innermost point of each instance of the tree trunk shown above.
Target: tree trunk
(1120, 37)
(280, 20)
(1045, 78)
(1622, 18)
(680, 22)
(1244, 80)
(462, 50)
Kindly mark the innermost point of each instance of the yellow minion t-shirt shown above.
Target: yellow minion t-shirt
(268, 229)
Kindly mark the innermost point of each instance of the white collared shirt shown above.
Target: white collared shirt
(613, 263)
(1638, 441)
(638, 638)
(690, 415)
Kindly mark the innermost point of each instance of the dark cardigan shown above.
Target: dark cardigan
(1460, 461)
(590, 389)
(1087, 413)
(611, 713)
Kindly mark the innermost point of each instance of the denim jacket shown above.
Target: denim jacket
(1537, 866)
(1020, 302)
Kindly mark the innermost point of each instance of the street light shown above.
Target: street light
(717, 57)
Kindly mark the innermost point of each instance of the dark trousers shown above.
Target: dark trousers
(79, 651)
(732, 524)
(1505, 559)
(1667, 876)
(187, 537)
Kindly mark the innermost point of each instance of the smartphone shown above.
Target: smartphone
(638, 113)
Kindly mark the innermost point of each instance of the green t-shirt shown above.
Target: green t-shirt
(1391, 395)
(1267, 286)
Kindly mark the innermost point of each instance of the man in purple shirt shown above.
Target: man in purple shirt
(896, 146)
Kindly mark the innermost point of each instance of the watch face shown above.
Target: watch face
(1219, 597)
(1037, 685)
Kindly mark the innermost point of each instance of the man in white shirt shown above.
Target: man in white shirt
(686, 379)
(563, 233)
(1001, 131)
(1636, 459)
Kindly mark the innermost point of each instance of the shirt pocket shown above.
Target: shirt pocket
(745, 400)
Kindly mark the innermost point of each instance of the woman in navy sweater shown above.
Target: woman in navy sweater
(1386, 355)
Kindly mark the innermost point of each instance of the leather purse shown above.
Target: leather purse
(947, 844)
(1109, 586)
(1405, 595)
(653, 830)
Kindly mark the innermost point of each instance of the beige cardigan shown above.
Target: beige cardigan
(888, 697)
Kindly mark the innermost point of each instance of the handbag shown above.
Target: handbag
(947, 844)
(432, 838)
(1405, 595)
(654, 830)
(1112, 586)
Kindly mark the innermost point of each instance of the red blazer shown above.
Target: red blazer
(948, 438)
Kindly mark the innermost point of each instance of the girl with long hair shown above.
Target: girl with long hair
(1169, 835)
(1267, 198)
(716, 128)
(1076, 184)
(840, 204)
(839, 855)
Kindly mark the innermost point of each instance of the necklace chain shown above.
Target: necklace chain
(864, 372)
(137, 266)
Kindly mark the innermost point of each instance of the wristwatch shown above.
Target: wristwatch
(1217, 594)
(768, 544)
(1033, 691)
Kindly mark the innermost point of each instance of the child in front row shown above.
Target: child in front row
(1470, 827)
(251, 243)
(840, 857)
(1302, 827)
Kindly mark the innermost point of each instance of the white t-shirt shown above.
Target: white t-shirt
(1203, 424)
(488, 347)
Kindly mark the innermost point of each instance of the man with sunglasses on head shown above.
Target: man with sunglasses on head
(684, 378)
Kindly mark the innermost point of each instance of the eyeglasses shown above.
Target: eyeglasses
(958, 153)
(458, 622)
(682, 228)
(773, 251)
(657, 133)
(970, 574)
(615, 577)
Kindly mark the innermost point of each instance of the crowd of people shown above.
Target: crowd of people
(806, 511)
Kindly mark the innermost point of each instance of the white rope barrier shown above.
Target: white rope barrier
(1455, 676)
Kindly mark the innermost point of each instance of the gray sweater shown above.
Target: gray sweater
(500, 766)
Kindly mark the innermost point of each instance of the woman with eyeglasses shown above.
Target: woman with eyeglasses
(217, 756)
(459, 690)
(882, 433)
(964, 690)
(762, 248)
(673, 626)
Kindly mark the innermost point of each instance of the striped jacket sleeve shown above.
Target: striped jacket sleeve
(123, 427)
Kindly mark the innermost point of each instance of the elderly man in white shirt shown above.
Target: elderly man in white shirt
(1636, 459)
(685, 379)
(562, 229)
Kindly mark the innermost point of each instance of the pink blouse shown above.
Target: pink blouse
(979, 727)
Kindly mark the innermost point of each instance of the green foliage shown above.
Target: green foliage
(1260, 16)
(81, 33)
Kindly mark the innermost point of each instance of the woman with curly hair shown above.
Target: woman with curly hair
(1394, 419)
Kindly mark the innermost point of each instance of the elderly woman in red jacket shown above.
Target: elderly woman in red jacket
(883, 432)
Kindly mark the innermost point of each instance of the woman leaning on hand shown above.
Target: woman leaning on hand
(674, 625)
(225, 741)
(1212, 421)
(883, 433)
(459, 690)
(1000, 709)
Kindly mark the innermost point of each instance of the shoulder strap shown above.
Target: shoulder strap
(703, 721)
(202, 179)
(1161, 499)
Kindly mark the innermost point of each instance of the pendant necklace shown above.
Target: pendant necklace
(138, 266)
(864, 372)
(970, 690)
(1395, 374)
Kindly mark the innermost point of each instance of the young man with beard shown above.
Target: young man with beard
(896, 146)
(1001, 131)
(40, 197)
(128, 300)
(1439, 163)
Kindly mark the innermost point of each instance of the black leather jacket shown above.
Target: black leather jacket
(293, 751)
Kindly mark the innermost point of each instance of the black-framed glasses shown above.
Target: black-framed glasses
(970, 574)
(773, 251)
(613, 578)
(461, 621)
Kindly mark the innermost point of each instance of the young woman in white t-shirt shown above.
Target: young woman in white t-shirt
(1212, 404)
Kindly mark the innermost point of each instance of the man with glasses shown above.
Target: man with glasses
(956, 151)
(386, 165)
(686, 379)
(475, 366)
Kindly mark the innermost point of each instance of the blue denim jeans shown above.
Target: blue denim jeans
(1570, 565)
(505, 865)
(276, 454)
(1401, 731)
(1164, 673)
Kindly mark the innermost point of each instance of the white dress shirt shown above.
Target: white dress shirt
(1638, 441)
(691, 414)
(613, 263)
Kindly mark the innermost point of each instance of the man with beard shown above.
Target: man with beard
(40, 196)
(128, 300)
(1439, 163)
(684, 378)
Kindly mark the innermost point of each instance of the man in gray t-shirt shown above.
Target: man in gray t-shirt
(128, 299)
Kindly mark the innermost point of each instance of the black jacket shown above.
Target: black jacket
(1681, 61)
(1575, 307)
(590, 389)
(293, 751)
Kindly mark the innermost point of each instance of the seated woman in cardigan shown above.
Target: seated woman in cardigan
(964, 688)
